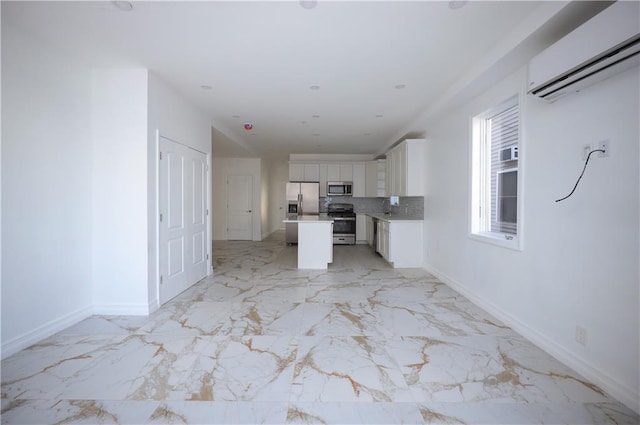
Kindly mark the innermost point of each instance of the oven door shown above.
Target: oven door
(344, 230)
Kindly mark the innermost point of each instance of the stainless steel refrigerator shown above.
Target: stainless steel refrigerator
(302, 199)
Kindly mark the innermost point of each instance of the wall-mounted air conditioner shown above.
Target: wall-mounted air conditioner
(508, 154)
(605, 45)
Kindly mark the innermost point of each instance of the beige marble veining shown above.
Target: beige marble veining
(263, 342)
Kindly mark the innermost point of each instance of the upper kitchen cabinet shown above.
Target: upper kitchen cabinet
(304, 172)
(359, 180)
(375, 178)
(340, 172)
(405, 168)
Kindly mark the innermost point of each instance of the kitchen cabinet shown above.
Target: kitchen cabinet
(369, 230)
(383, 239)
(340, 172)
(404, 241)
(359, 180)
(304, 172)
(405, 169)
(323, 179)
(361, 228)
(375, 175)
(398, 241)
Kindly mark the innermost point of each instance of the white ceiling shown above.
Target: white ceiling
(260, 60)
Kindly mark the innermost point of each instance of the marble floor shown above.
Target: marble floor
(261, 342)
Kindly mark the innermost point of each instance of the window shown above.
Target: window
(495, 158)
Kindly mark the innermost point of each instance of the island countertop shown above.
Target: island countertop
(320, 218)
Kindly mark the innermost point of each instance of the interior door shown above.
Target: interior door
(183, 224)
(197, 173)
(239, 208)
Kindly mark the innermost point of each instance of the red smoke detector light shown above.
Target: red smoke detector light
(248, 126)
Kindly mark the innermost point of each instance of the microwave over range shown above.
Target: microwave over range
(339, 188)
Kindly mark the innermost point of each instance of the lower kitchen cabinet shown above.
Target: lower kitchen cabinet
(400, 242)
(361, 228)
(369, 230)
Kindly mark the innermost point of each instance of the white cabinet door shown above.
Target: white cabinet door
(415, 163)
(296, 172)
(359, 180)
(346, 172)
(383, 239)
(371, 179)
(311, 172)
(369, 230)
(333, 172)
(405, 169)
(405, 243)
(323, 179)
(361, 227)
(340, 172)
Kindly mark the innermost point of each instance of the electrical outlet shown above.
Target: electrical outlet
(605, 146)
(585, 151)
(581, 335)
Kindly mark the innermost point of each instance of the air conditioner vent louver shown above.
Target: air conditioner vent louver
(607, 44)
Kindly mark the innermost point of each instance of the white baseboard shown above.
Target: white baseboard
(41, 332)
(133, 309)
(618, 390)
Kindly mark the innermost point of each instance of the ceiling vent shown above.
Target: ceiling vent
(605, 45)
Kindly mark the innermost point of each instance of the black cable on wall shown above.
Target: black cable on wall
(581, 174)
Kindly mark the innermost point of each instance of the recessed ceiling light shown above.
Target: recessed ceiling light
(400, 86)
(379, 116)
(314, 87)
(308, 4)
(125, 6)
(315, 116)
(457, 4)
(235, 116)
(205, 87)
(316, 134)
(303, 122)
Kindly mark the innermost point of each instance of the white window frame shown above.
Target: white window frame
(480, 180)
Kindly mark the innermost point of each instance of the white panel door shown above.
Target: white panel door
(183, 224)
(198, 229)
(239, 208)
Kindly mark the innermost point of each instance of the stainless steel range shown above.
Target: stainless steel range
(344, 223)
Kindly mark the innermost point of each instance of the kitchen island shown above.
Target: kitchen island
(315, 240)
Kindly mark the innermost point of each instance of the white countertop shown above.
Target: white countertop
(320, 218)
(392, 217)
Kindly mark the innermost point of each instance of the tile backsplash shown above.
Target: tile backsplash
(410, 206)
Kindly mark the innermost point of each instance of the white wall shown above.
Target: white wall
(173, 117)
(46, 190)
(119, 112)
(223, 167)
(79, 186)
(579, 265)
